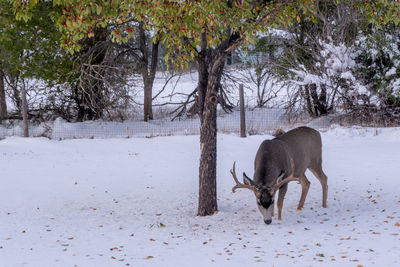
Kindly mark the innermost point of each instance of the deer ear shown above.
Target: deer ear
(280, 177)
(247, 180)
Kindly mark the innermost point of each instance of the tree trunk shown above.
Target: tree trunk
(148, 72)
(208, 155)
(208, 140)
(211, 65)
(24, 111)
(322, 100)
(308, 100)
(149, 81)
(15, 92)
(208, 158)
(148, 99)
(3, 103)
(319, 102)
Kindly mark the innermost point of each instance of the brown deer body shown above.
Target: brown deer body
(281, 160)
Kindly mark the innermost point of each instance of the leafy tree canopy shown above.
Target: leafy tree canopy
(26, 45)
(180, 23)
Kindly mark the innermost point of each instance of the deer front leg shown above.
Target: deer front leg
(281, 196)
(305, 186)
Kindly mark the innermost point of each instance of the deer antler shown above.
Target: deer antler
(286, 180)
(239, 184)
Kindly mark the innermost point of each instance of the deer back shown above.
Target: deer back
(302, 145)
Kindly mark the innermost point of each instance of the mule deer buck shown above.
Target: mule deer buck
(281, 160)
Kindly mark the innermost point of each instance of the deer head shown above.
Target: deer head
(264, 194)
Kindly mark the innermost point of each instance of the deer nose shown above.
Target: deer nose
(267, 221)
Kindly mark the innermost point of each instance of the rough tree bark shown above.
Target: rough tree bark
(3, 104)
(211, 65)
(208, 136)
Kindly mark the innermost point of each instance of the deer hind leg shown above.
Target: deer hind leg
(273, 205)
(323, 179)
(305, 186)
(281, 196)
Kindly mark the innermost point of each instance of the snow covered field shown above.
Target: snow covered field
(132, 202)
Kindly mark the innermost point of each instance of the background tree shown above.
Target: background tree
(144, 52)
(29, 50)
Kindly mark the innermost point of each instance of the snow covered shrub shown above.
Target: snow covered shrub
(320, 59)
(332, 79)
(378, 62)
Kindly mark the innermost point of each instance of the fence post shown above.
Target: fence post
(24, 111)
(242, 113)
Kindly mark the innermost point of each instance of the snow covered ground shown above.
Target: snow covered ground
(132, 202)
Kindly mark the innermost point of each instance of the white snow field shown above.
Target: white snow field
(132, 202)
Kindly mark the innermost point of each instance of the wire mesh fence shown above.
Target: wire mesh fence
(258, 121)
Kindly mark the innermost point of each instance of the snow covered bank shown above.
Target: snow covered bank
(132, 202)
